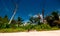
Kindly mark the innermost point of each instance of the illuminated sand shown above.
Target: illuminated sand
(33, 33)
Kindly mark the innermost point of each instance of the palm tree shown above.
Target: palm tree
(15, 10)
(35, 20)
(20, 20)
(55, 15)
(31, 20)
(53, 18)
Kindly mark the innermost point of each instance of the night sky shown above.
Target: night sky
(27, 8)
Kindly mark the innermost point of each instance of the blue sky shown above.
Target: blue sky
(26, 8)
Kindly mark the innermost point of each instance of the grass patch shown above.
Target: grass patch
(12, 30)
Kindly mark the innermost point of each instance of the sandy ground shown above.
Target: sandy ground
(33, 33)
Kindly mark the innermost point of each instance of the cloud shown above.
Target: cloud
(35, 16)
(32, 15)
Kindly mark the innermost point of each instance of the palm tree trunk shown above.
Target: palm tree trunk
(13, 14)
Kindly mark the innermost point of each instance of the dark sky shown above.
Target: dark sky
(26, 8)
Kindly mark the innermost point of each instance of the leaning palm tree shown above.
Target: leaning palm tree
(15, 10)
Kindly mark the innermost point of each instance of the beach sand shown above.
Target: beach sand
(33, 33)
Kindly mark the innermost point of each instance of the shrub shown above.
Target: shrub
(42, 27)
(5, 26)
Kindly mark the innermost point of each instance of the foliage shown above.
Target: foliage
(1, 20)
(15, 28)
(51, 19)
(35, 20)
(5, 19)
(55, 15)
(13, 21)
(12, 30)
(31, 20)
(19, 20)
(55, 28)
(35, 24)
(42, 27)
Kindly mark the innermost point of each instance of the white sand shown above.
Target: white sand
(33, 33)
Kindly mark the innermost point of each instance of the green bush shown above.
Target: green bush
(4, 26)
(42, 27)
(38, 27)
(28, 27)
